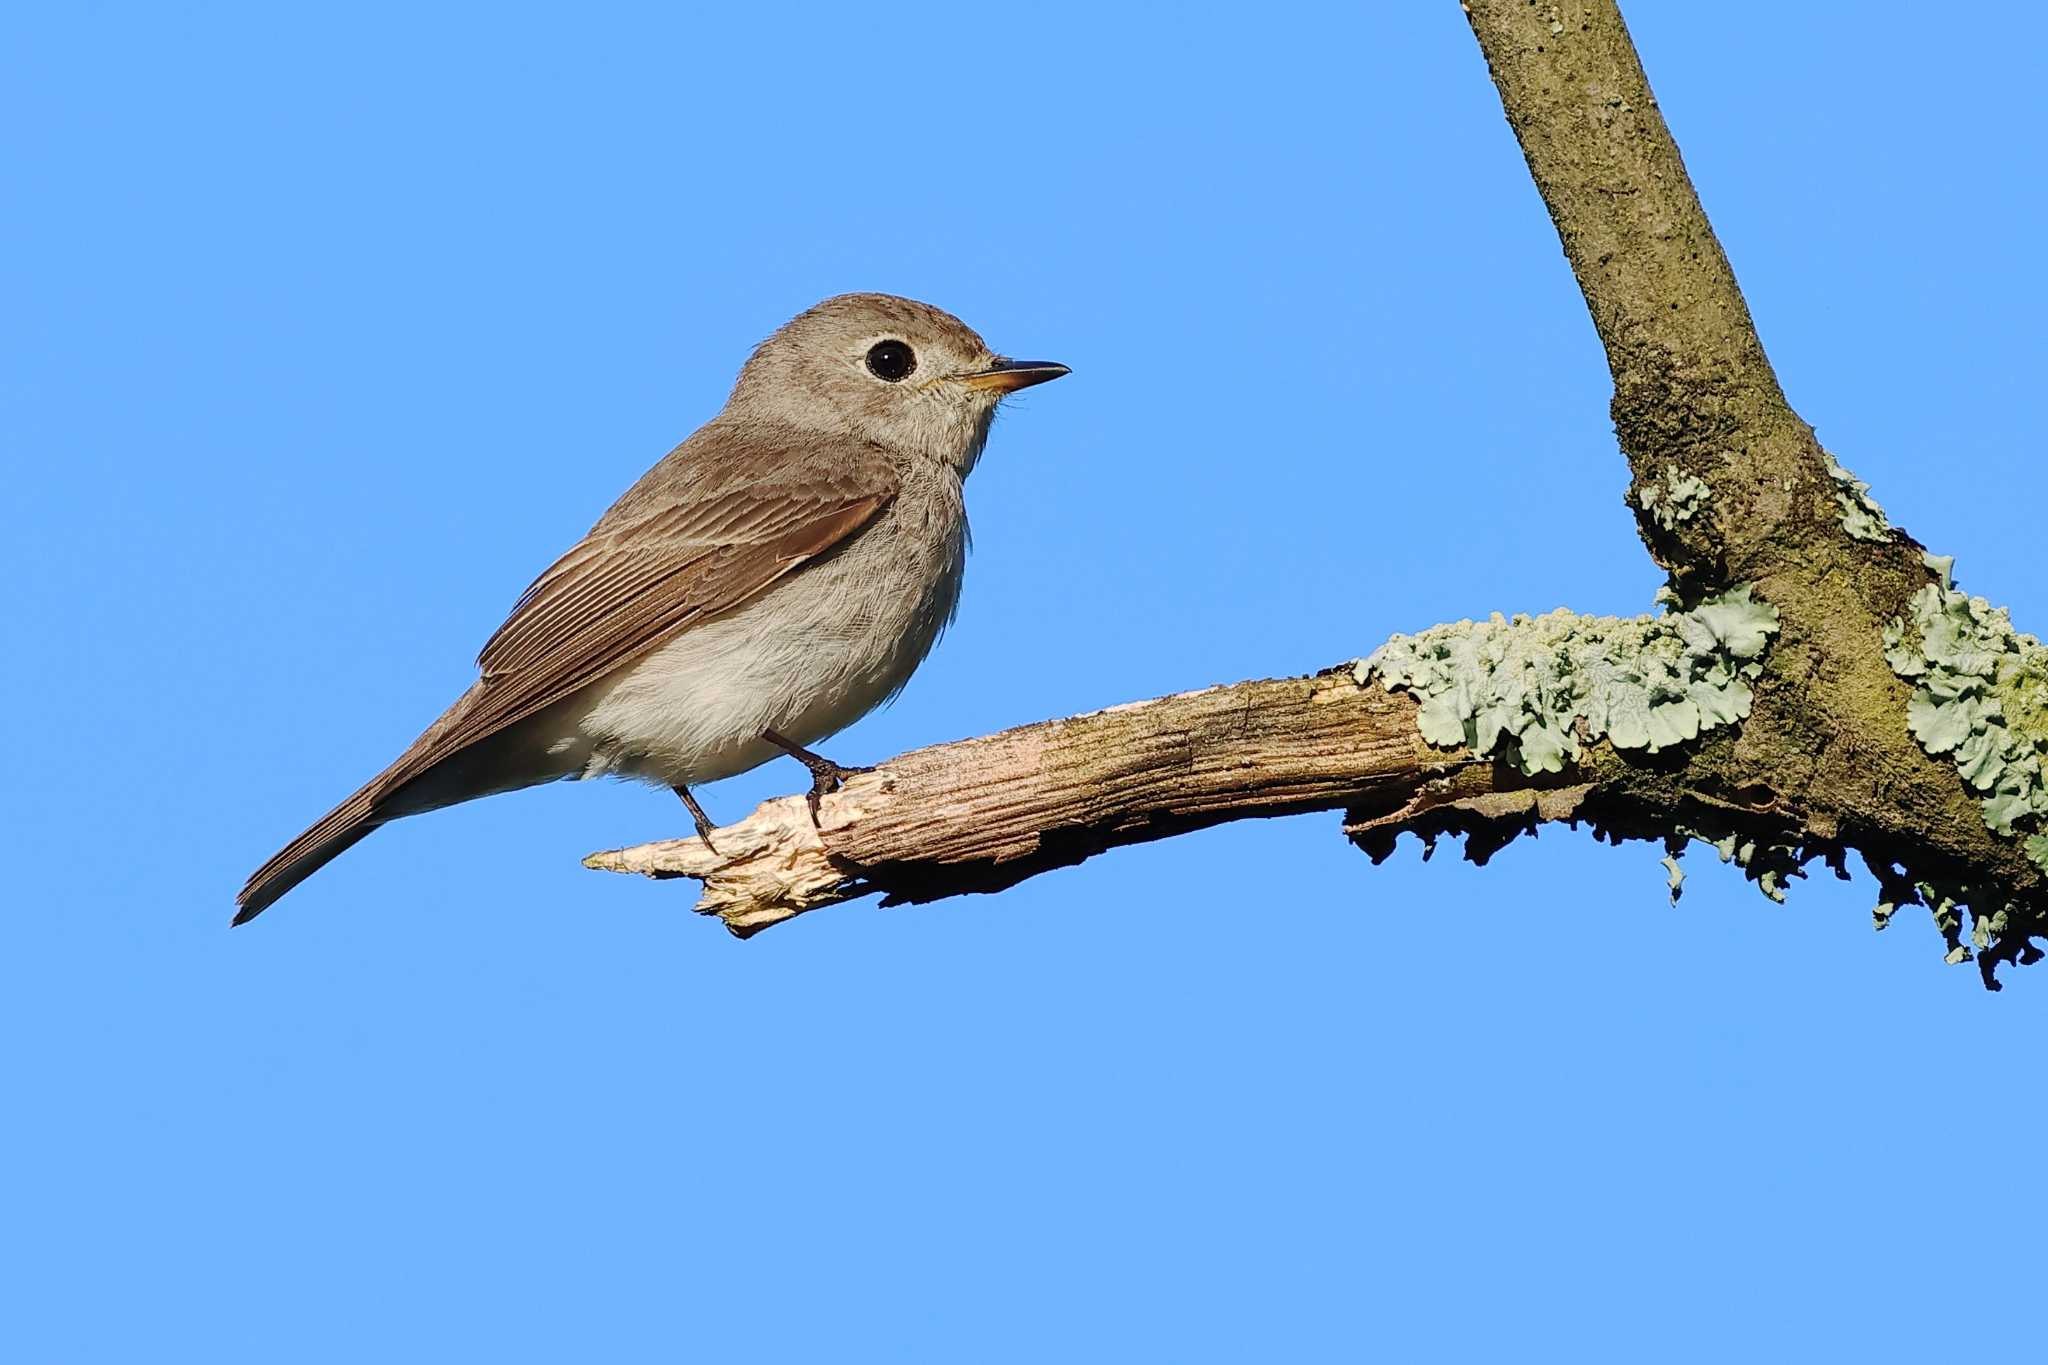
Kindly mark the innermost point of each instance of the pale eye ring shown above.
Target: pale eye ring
(891, 361)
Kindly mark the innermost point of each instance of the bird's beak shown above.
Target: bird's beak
(1008, 376)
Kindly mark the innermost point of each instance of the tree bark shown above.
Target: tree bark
(983, 814)
(1731, 491)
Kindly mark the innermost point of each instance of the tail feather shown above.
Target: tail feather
(341, 828)
(428, 775)
(338, 831)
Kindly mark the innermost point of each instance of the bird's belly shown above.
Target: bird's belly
(806, 659)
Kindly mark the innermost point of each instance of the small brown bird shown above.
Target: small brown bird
(773, 579)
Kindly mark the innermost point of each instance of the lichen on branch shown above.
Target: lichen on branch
(1980, 697)
(1861, 517)
(1535, 690)
(1674, 499)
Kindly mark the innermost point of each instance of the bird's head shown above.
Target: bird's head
(903, 374)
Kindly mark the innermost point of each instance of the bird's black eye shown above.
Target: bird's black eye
(891, 360)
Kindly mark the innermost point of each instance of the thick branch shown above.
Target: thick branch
(1550, 718)
(1730, 484)
(982, 814)
(1655, 278)
(1693, 389)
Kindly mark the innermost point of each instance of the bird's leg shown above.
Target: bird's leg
(704, 826)
(826, 775)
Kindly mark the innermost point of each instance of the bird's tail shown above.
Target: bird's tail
(379, 801)
(336, 833)
(430, 774)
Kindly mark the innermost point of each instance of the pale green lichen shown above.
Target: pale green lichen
(1769, 865)
(1999, 928)
(1980, 696)
(1862, 518)
(1533, 690)
(1674, 499)
(1947, 902)
(1674, 876)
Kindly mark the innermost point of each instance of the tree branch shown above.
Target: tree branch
(1693, 389)
(1658, 285)
(984, 814)
(1684, 727)
(1730, 485)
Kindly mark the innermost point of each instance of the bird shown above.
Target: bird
(772, 579)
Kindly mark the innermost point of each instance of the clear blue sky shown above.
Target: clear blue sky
(323, 334)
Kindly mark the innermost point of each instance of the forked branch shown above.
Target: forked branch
(1683, 727)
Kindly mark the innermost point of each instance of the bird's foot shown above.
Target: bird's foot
(826, 776)
(704, 825)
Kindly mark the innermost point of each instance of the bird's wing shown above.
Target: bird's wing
(643, 574)
(697, 538)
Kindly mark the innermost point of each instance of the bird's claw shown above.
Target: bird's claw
(827, 777)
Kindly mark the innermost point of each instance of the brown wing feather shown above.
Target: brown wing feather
(633, 582)
(620, 598)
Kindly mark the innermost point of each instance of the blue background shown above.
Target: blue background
(324, 333)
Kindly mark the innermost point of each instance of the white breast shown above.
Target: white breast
(809, 657)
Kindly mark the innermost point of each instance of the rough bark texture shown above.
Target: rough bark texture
(986, 813)
(1693, 390)
(1824, 762)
